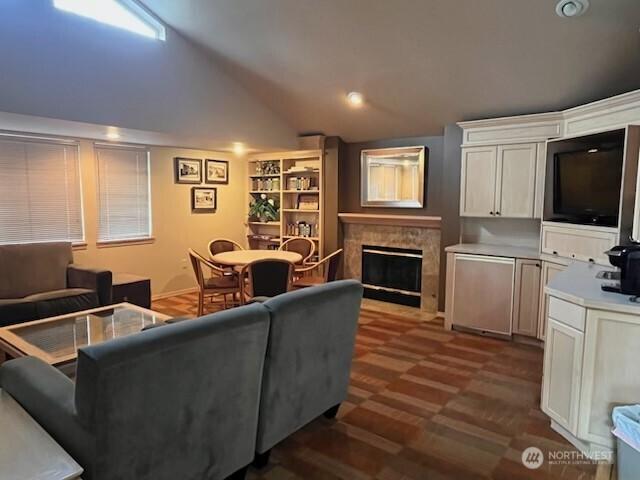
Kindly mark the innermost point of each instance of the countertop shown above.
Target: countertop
(578, 284)
(495, 250)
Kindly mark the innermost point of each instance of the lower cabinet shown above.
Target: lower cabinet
(526, 300)
(482, 293)
(548, 271)
(562, 374)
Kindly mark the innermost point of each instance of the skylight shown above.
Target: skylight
(125, 14)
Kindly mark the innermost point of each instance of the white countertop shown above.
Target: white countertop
(495, 250)
(578, 284)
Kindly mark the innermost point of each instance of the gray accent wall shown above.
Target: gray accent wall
(350, 176)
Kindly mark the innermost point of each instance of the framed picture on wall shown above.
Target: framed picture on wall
(204, 200)
(216, 171)
(188, 170)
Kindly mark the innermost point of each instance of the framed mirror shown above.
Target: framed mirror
(392, 177)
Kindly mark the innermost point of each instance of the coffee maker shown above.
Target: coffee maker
(627, 280)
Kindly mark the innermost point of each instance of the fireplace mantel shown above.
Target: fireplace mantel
(422, 221)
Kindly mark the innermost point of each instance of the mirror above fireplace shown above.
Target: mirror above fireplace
(393, 177)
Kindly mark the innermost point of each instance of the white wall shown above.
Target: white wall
(59, 65)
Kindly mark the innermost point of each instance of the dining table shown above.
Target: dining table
(240, 258)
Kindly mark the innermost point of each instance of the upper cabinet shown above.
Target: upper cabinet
(501, 180)
(478, 181)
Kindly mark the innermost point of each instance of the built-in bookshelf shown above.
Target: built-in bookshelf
(294, 180)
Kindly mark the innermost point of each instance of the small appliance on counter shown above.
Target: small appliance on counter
(627, 280)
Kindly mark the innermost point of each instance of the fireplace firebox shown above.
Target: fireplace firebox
(392, 274)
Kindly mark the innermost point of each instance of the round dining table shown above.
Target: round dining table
(240, 258)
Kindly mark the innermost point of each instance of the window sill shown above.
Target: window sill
(125, 243)
(79, 246)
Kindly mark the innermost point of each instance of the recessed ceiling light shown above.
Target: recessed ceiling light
(571, 8)
(355, 99)
(239, 148)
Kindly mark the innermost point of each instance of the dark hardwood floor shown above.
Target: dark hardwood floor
(424, 403)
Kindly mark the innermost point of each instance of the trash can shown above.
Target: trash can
(626, 429)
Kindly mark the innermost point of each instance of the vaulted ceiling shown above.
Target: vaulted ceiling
(421, 64)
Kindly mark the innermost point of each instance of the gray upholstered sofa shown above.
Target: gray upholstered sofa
(306, 372)
(39, 280)
(199, 398)
(177, 402)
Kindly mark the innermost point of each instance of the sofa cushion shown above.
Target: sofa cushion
(33, 268)
(61, 302)
(16, 310)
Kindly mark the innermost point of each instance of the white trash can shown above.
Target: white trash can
(626, 429)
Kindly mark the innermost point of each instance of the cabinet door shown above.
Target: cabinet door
(516, 180)
(549, 270)
(483, 293)
(562, 373)
(478, 182)
(526, 299)
(610, 376)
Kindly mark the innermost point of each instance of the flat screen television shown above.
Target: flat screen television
(587, 180)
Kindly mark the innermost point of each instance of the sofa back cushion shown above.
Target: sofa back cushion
(178, 401)
(31, 268)
(311, 343)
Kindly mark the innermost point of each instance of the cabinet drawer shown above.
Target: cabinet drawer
(567, 313)
(579, 244)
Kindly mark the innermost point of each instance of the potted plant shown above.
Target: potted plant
(264, 209)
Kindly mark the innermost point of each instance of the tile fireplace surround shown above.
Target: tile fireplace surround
(397, 231)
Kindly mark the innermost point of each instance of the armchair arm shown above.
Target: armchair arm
(93, 279)
(49, 397)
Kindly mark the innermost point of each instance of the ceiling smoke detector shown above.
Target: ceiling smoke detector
(571, 8)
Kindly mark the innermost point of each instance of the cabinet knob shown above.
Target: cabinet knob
(497, 213)
(591, 260)
(555, 252)
(491, 213)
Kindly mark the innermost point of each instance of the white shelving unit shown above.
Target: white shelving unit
(300, 173)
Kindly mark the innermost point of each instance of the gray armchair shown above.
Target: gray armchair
(308, 362)
(39, 280)
(178, 402)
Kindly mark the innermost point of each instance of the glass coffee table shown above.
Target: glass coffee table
(56, 340)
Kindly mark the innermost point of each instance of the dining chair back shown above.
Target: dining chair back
(220, 282)
(303, 246)
(324, 271)
(266, 278)
(220, 245)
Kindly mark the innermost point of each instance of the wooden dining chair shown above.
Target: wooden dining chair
(263, 279)
(220, 245)
(220, 282)
(324, 271)
(303, 246)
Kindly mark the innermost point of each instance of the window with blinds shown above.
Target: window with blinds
(40, 192)
(123, 194)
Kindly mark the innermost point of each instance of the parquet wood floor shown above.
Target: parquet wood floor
(424, 403)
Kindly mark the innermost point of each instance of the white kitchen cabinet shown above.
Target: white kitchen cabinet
(578, 242)
(562, 374)
(482, 297)
(516, 180)
(548, 271)
(500, 181)
(526, 300)
(478, 182)
(609, 373)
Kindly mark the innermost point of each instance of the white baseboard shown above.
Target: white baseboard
(160, 296)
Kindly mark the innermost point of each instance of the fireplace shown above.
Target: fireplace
(392, 274)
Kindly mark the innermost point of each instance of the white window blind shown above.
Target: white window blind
(40, 192)
(123, 194)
